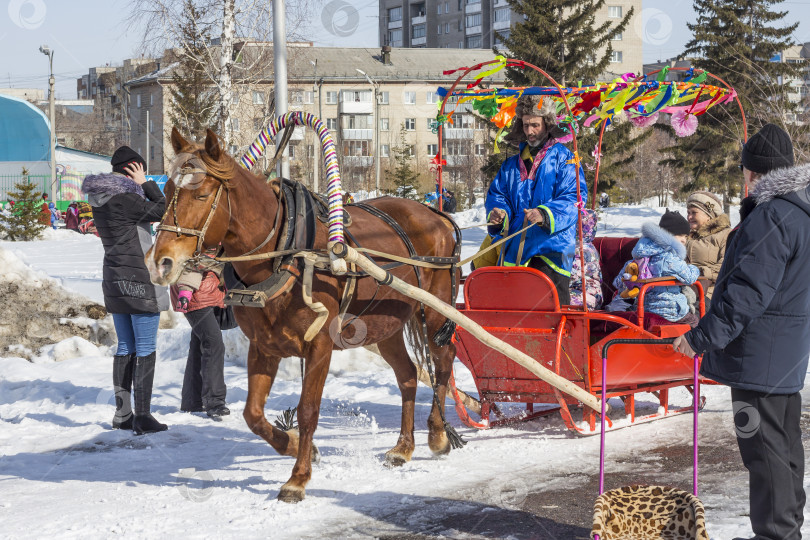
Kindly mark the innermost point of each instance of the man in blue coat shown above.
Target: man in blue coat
(538, 185)
(756, 336)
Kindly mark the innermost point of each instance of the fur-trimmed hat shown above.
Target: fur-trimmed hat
(707, 202)
(542, 106)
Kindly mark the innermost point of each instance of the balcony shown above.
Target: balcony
(297, 134)
(459, 161)
(395, 24)
(501, 25)
(473, 30)
(458, 133)
(357, 134)
(358, 161)
(415, 42)
(356, 107)
(472, 8)
(419, 19)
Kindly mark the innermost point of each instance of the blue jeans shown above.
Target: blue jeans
(137, 333)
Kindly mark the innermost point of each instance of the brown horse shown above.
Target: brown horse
(241, 221)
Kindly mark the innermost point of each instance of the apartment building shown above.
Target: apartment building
(368, 99)
(483, 24)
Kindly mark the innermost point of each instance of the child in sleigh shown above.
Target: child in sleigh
(660, 252)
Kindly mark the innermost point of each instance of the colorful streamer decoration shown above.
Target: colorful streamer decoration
(330, 162)
(642, 101)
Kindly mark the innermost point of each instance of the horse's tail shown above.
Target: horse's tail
(416, 340)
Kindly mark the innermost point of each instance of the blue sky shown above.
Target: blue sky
(86, 33)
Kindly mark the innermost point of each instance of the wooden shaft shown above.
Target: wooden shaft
(545, 374)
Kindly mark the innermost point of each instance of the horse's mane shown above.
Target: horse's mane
(224, 170)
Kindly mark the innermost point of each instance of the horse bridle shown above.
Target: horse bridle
(200, 233)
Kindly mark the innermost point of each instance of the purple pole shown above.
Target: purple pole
(602, 432)
(696, 396)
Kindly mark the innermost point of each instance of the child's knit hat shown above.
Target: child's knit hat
(674, 223)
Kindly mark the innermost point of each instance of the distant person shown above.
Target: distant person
(604, 200)
(72, 217)
(124, 204)
(449, 202)
(709, 229)
(56, 215)
(45, 211)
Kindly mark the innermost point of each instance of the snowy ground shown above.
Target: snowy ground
(65, 473)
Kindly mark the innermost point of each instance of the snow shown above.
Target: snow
(66, 471)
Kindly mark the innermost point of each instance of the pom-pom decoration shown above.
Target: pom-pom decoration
(684, 123)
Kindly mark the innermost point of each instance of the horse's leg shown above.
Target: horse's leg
(318, 358)
(394, 352)
(261, 374)
(443, 358)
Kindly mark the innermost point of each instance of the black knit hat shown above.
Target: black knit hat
(674, 223)
(124, 156)
(769, 149)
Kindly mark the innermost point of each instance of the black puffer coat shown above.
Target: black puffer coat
(756, 336)
(122, 211)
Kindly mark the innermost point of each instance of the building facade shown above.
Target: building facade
(483, 24)
(374, 102)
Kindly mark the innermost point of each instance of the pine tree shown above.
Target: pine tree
(22, 221)
(561, 37)
(736, 40)
(404, 177)
(195, 103)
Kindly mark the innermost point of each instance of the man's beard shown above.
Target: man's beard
(541, 139)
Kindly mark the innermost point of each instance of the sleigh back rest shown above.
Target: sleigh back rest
(512, 288)
(613, 253)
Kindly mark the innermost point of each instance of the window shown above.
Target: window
(383, 98)
(151, 126)
(410, 124)
(152, 152)
(331, 98)
(615, 12)
(409, 151)
(447, 28)
(456, 148)
(480, 149)
(292, 146)
(235, 124)
(432, 97)
(432, 149)
(233, 150)
(474, 42)
(356, 96)
(409, 98)
(473, 20)
(395, 14)
(460, 43)
(473, 2)
(419, 31)
(439, 31)
(447, 7)
(501, 36)
(460, 27)
(617, 37)
(439, 10)
(615, 57)
(384, 124)
(385, 150)
(138, 101)
(151, 99)
(459, 4)
(235, 98)
(258, 97)
(432, 124)
(357, 148)
(257, 124)
(310, 150)
(331, 123)
(395, 37)
(359, 121)
(502, 14)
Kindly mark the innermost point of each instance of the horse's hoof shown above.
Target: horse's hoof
(442, 451)
(290, 494)
(394, 460)
(316, 455)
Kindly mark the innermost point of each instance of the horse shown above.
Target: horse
(247, 222)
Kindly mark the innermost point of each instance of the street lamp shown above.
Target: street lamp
(47, 51)
(376, 87)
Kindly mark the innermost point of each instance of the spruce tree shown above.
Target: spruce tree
(404, 177)
(21, 221)
(737, 41)
(195, 105)
(562, 38)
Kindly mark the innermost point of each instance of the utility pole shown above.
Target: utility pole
(376, 89)
(47, 51)
(280, 67)
(147, 141)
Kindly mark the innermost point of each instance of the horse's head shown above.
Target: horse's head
(196, 215)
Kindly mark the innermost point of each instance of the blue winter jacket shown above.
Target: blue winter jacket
(553, 190)
(756, 335)
(666, 258)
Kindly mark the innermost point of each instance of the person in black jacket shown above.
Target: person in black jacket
(124, 204)
(756, 336)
